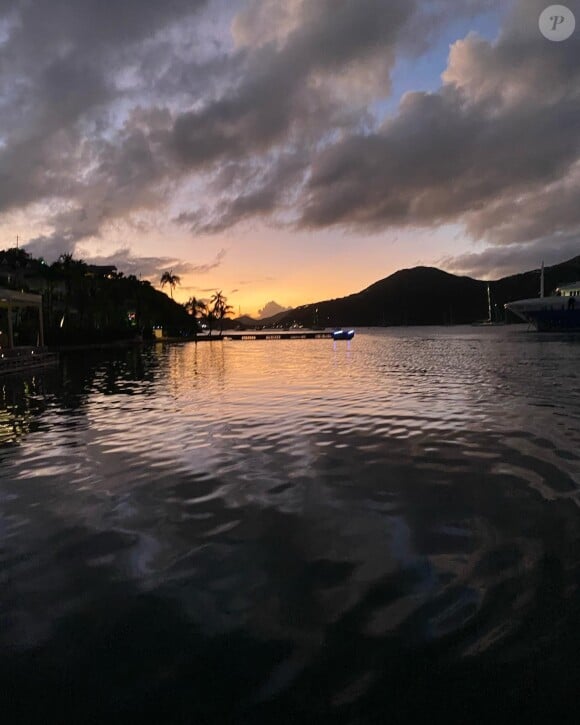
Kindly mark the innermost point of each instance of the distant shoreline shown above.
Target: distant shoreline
(238, 333)
(131, 342)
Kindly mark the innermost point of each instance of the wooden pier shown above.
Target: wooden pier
(17, 361)
(282, 335)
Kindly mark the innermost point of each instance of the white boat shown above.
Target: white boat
(559, 311)
(490, 322)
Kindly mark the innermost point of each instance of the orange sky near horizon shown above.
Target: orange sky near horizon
(261, 265)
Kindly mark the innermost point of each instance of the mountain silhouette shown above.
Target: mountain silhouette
(428, 296)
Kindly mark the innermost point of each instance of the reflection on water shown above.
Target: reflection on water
(249, 531)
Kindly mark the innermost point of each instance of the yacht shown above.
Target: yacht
(557, 312)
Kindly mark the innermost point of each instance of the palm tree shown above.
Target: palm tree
(216, 299)
(220, 308)
(171, 279)
(72, 271)
(209, 318)
(196, 308)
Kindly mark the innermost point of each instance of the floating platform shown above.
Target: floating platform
(16, 361)
(343, 334)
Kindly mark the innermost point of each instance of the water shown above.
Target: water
(289, 531)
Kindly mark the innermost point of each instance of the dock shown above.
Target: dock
(17, 361)
(282, 335)
(16, 357)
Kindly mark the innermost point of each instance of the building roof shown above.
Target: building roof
(19, 299)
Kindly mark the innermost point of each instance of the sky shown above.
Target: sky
(289, 151)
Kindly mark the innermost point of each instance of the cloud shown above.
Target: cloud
(210, 115)
(229, 212)
(153, 267)
(203, 268)
(497, 147)
(494, 262)
(309, 72)
(271, 308)
(50, 247)
(284, 89)
(63, 138)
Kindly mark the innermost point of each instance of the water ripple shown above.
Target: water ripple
(322, 512)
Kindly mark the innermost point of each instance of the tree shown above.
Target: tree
(72, 271)
(196, 308)
(171, 279)
(14, 261)
(220, 308)
(15, 256)
(209, 318)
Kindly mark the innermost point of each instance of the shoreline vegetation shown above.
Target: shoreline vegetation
(89, 306)
(85, 305)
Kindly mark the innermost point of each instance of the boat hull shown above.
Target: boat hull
(343, 334)
(555, 320)
(549, 314)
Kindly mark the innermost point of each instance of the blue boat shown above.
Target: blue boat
(343, 334)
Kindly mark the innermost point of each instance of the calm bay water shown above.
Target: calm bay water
(294, 531)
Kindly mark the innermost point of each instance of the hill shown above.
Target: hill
(527, 284)
(430, 296)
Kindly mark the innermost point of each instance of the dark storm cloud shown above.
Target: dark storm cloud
(503, 125)
(311, 75)
(107, 109)
(153, 267)
(229, 212)
(42, 153)
(499, 261)
(496, 147)
(90, 26)
(57, 80)
(438, 160)
(51, 246)
(276, 94)
(535, 214)
(246, 190)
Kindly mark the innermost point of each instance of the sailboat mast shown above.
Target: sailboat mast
(542, 280)
(488, 303)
